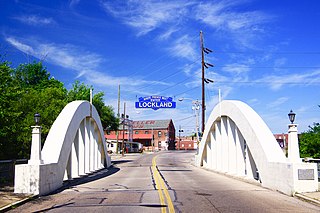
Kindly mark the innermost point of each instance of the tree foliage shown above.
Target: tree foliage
(310, 142)
(29, 89)
(106, 113)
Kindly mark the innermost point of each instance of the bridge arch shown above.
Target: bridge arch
(74, 147)
(236, 141)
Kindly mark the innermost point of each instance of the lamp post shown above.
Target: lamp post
(35, 156)
(293, 143)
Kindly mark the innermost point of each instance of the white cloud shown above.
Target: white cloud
(184, 47)
(20, 46)
(276, 81)
(167, 34)
(278, 102)
(34, 20)
(236, 68)
(82, 62)
(243, 27)
(146, 16)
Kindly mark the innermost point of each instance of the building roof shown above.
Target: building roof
(151, 124)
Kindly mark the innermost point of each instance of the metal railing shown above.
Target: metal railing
(7, 170)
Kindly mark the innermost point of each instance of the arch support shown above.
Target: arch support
(236, 141)
(74, 147)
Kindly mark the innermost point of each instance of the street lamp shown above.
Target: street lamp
(293, 142)
(37, 118)
(35, 155)
(292, 116)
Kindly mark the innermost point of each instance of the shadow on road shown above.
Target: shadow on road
(88, 178)
(121, 161)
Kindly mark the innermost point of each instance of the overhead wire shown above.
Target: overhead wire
(168, 76)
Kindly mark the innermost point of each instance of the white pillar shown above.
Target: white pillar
(293, 144)
(224, 144)
(81, 148)
(209, 152)
(218, 140)
(232, 147)
(240, 154)
(92, 154)
(87, 146)
(213, 150)
(35, 157)
(75, 157)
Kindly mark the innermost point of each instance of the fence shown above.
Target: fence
(7, 170)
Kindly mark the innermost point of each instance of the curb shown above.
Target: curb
(17, 203)
(308, 199)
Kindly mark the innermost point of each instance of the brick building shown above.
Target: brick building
(153, 134)
(186, 143)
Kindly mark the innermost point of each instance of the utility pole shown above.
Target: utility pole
(202, 84)
(117, 151)
(203, 79)
(123, 124)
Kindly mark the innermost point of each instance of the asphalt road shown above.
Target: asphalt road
(163, 182)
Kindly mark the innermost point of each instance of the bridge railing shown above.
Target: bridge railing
(7, 170)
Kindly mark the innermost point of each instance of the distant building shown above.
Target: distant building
(153, 134)
(282, 140)
(186, 143)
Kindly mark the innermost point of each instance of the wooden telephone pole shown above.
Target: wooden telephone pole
(202, 83)
(204, 80)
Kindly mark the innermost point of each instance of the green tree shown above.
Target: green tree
(9, 97)
(25, 91)
(310, 142)
(106, 113)
(29, 89)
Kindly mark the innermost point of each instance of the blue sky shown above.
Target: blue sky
(266, 53)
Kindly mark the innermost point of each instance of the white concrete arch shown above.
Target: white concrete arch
(74, 147)
(237, 141)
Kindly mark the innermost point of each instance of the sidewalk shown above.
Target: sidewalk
(312, 197)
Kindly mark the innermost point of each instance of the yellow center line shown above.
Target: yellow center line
(161, 188)
(156, 179)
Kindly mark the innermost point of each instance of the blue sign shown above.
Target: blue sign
(155, 102)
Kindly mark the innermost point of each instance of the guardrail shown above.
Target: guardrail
(7, 170)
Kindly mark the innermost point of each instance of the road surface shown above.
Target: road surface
(163, 182)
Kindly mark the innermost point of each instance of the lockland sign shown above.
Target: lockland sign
(155, 102)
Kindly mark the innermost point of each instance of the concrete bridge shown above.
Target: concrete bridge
(74, 147)
(236, 141)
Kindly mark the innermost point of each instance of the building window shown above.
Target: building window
(146, 132)
(159, 134)
(136, 132)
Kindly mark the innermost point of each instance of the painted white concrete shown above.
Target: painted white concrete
(66, 152)
(244, 146)
(35, 156)
(293, 144)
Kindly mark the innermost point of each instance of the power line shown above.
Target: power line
(186, 91)
(276, 53)
(168, 76)
(176, 84)
(266, 82)
(268, 67)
